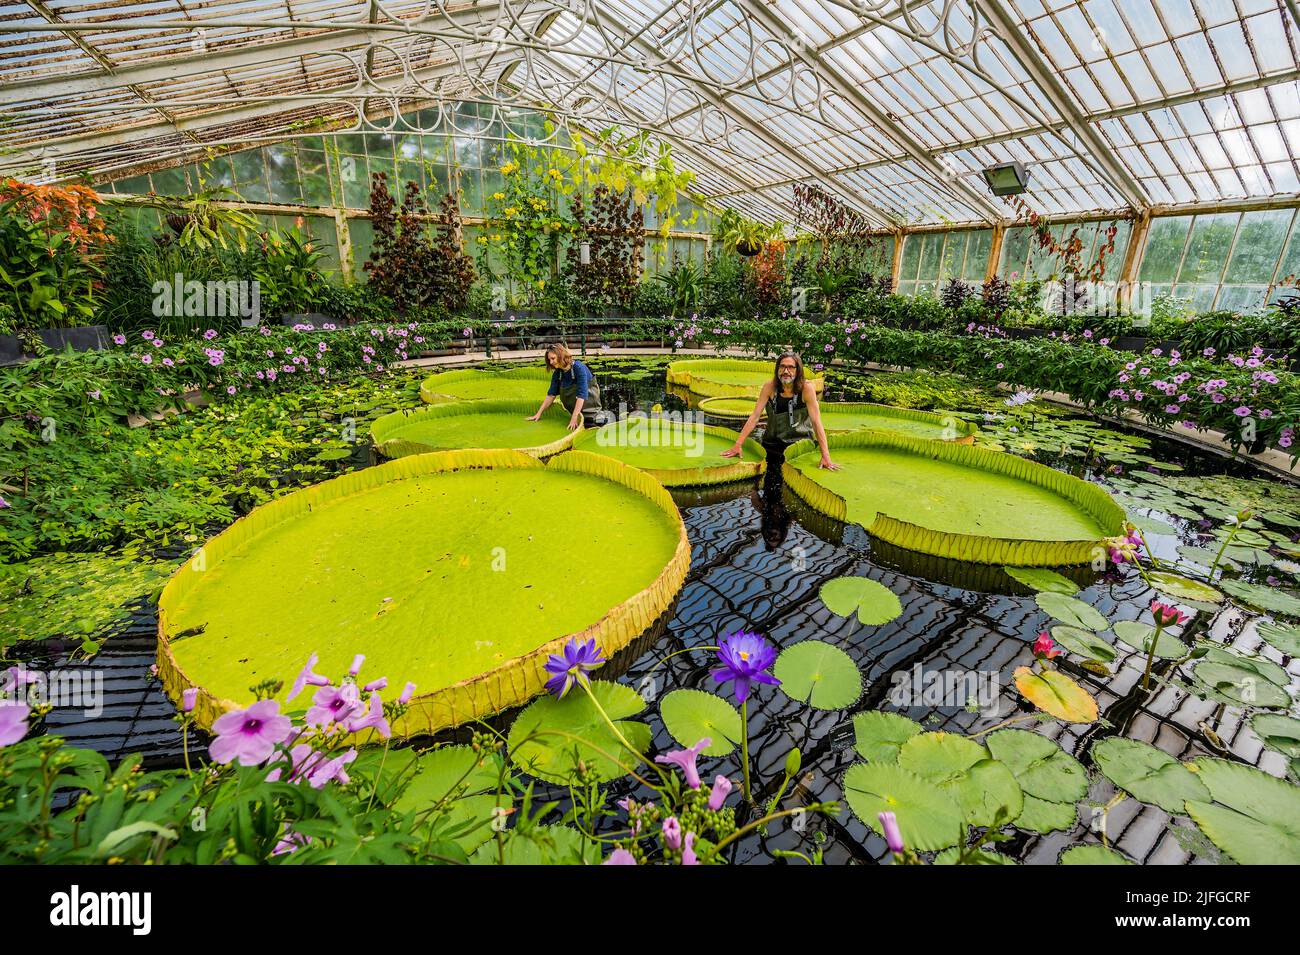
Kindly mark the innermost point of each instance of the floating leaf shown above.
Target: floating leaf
(1239, 681)
(1040, 766)
(983, 856)
(1138, 636)
(692, 715)
(877, 735)
(1205, 556)
(1254, 817)
(1039, 578)
(1085, 643)
(1147, 774)
(928, 817)
(1041, 816)
(816, 673)
(980, 784)
(553, 724)
(542, 845)
(447, 771)
(1153, 525)
(1055, 693)
(1285, 638)
(1265, 598)
(1184, 588)
(873, 602)
(1092, 855)
(1277, 732)
(1070, 611)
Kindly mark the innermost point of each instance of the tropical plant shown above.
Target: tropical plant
(683, 283)
(289, 274)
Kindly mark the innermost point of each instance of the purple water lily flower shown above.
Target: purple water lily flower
(13, 722)
(684, 759)
(745, 657)
(893, 836)
(718, 794)
(249, 736)
(334, 704)
(572, 666)
(307, 677)
(620, 856)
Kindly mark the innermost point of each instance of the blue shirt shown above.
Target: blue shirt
(578, 375)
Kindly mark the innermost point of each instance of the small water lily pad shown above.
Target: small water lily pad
(1184, 588)
(1279, 733)
(1205, 556)
(692, 715)
(1084, 643)
(1153, 525)
(1041, 816)
(1264, 598)
(983, 856)
(1254, 817)
(873, 602)
(877, 735)
(1148, 774)
(981, 785)
(1241, 681)
(1039, 578)
(1284, 638)
(1041, 767)
(1070, 611)
(1055, 693)
(821, 675)
(928, 817)
(1138, 636)
(550, 735)
(1092, 855)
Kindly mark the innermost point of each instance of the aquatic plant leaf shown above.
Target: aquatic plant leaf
(550, 736)
(540, 845)
(1084, 643)
(1055, 693)
(1254, 817)
(1042, 816)
(928, 817)
(983, 856)
(1041, 767)
(1070, 611)
(1283, 637)
(691, 715)
(1277, 732)
(444, 771)
(1239, 682)
(1138, 635)
(980, 784)
(1264, 598)
(873, 602)
(1184, 588)
(1092, 855)
(1148, 774)
(877, 735)
(676, 454)
(1039, 578)
(821, 675)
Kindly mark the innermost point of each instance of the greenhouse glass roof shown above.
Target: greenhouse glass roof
(1116, 106)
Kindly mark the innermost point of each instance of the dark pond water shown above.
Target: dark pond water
(758, 560)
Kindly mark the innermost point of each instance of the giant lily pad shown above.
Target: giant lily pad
(1055, 693)
(677, 454)
(443, 569)
(494, 384)
(821, 675)
(981, 785)
(729, 377)
(550, 737)
(1147, 774)
(1254, 817)
(731, 409)
(928, 817)
(840, 416)
(878, 735)
(873, 602)
(956, 501)
(473, 424)
(693, 715)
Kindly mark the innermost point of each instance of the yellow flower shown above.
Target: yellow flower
(508, 168)
(498, 196)
(511, 211)
(482, 240)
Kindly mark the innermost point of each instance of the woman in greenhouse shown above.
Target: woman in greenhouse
(792, 415)
(574, 384)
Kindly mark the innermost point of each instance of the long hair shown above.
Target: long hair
(798, 372)
(563, 357)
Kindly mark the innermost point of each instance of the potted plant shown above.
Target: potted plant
(290, 282)
(746, 235)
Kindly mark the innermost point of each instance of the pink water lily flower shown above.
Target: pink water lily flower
(249, 736)
(1045, 646)
(1167, 615)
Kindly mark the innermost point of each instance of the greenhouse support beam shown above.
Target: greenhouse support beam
(995, 251)
(1099, 152)
(829, 74)
(1128, 272)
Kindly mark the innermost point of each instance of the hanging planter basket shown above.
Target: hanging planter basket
(748, 247)
(177, 221)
